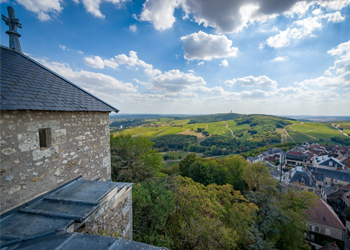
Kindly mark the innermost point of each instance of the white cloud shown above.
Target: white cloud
(212, 91)
(302, 29)
(98, 83)
(62, 47)
(80, 52)
(191, 71)
(95, 62)
(251, 81)
(280, 58)
(129, 61)
(133, 28)
(337, 76)
(228, 16)
(175, 81)
(224, 63)
(203, 46)
(200, 63)
(160, 13)
(43, 8)
(93, 6)
(261, 46)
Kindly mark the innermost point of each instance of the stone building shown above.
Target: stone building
(323, 221)
(55, 163)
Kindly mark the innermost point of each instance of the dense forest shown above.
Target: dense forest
(208, 203)
(213, 118)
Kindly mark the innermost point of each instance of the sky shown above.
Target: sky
(278, 57)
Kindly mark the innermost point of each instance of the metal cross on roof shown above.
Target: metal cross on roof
(13, 23)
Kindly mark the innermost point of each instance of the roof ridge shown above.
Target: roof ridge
(56, 74)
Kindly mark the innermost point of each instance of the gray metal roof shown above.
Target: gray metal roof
(334, 174)
(62, 240)
(56, 211)
(28, 85)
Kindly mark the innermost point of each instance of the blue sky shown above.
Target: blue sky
(196, 56)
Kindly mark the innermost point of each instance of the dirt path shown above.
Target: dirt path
(307, 135)
(229, 129)
(207, 126)
(216, 130)
(288, 135)
(341, 131)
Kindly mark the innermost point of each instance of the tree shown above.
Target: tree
(207, 172)
(186, 162)
(202, 218)
(257, 176)
(134, 160)
(235, 167)
(153, 202)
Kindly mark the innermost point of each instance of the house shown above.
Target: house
(328, 162)
(303, 181)
(323, 221)
(296, 158)
(326, 191)
(55, 160)
(335, 176)
(252, 159)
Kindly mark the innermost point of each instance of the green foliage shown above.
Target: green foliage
(153, 202)
(208, 217)
(133, 159)
(174, 169)
(342, 140)
(186, 163)
(206, 171)
(235, 166)
(213, 118)
(174, 141)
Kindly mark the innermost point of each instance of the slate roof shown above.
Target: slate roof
(334, 174)
(330, 189)
(295, 155)
(322, 213)
(28, 85)
(303, 177)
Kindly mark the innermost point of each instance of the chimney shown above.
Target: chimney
(332, 181)
(290, 173)
(310, 182)
(13, 24)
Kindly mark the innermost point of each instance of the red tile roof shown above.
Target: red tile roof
(295, 153)
(324, 214)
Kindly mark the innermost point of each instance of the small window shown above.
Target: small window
(44, 137)
(324, 218)
(317, 229)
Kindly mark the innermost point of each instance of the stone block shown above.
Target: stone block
(28, 141)
(59, 136)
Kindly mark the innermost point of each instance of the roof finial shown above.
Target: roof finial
(13, 23)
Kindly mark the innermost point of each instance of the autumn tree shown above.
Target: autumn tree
(257, 176)
(235, 166)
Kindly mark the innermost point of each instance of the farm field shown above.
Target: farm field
(285, 138)
(312, 131)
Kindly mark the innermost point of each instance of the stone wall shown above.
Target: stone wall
(77, 144)
(333, 232)
(114, 217)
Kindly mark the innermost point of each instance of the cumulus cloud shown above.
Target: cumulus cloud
(337, 76)
(203, 46)
(160, 13)
(302, 29)
(129, 61)
(43, 8)
(251, 81)
(133, 28)
(224, 63)
(98, 83)
(228, 16)
(280, 58)
(175, 81)
(200, 63)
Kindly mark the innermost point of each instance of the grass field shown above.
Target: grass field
(284, 137)
(175, 154)
(313, 131)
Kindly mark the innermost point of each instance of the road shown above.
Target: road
(288, 135)
(341, 131)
